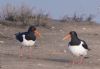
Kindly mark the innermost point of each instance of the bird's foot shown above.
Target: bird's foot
(74, 62)
(20, 56)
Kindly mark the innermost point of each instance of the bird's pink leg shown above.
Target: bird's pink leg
(81, 60)
(73, 61)
(21, 51)
(30, 51)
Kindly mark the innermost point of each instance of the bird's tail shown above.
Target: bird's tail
(17, 35)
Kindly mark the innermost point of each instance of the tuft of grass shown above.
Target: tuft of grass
(77, 19)
(24, 15)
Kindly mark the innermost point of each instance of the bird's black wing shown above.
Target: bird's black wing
(32, 36)
(19, 36)
(85, 45)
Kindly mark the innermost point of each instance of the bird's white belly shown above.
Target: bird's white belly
(78, 50)
(28, 43)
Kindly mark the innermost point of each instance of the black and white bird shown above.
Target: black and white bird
(27, 39)
(77, 46)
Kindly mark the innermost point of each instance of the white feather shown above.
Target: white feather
(78, 50)
(27, 42)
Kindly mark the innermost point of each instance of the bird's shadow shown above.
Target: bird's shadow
(53, 59)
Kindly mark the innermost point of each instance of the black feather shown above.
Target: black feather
(85, 45)
(74, 39)
(19, 37)
(28, 36)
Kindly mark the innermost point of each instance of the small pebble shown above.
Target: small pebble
(1, 42)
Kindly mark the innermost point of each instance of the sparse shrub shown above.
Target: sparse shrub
(66, 18)
(75, 18)
(9, 12)
(24, 15)
(89, 18)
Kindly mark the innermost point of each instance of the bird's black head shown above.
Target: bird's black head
(31, 29)
(74, 38)
(73, 34)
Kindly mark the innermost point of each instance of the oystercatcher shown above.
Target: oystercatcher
(27, 38)
(77, 46)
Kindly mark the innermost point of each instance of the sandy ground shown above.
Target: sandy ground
(49, 53)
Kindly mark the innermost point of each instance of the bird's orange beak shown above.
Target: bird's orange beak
(37, 33)
(67, 37)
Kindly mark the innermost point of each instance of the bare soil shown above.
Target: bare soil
(49, 51)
